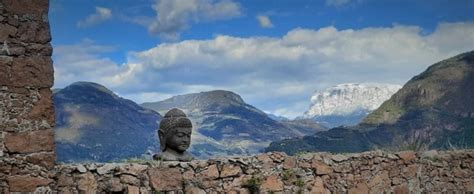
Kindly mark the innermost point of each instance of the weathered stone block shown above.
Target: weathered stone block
(165, 179)
(272, 183)
(26, 183)
(359, 188)
(133, 190)
(33, 71)
(289, 163)
(87, 183)
(6, 32)
(26, 6)
(320, 167)
(45, 159)
(407, 156)
(65, 180)
(230, 170)
(43, 108)
(210, 173)
(114, 185)
(30, 141)
(34, 32)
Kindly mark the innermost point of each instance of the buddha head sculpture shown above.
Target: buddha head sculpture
(175, 136)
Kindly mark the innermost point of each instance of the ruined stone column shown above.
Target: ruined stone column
(26, 108)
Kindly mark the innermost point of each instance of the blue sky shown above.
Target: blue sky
(274, 53)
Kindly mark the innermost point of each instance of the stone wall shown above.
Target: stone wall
(373, 172)
(26, 110)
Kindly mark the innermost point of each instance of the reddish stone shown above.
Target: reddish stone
(65, 180)
(359, 188)
(230, 170)
(5, 68)
(32, 71)
(40, 49)
(87, 183)
(289, 163)
(30, 141)
(45, 159)
(207, 184)
(34, 32)
(66, 190)
(129, 179)
(272, 183)
(6, 32)
(407, 156)
(25, 183)
(264, 158)
(133, 169)
(165, 179)
(115, 185)
(318, 186)
(43, 108)
(133, 190)
(321, 168)
(188, 175)
(210, 173)
(401, 189)
(304, 165)
(410, 171)
(26, 6)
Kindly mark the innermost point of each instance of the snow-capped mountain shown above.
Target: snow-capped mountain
(347, 104)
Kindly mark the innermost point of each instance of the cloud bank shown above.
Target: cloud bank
(174, 16)
(277, 75)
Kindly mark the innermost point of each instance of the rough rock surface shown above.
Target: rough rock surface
(374, 172)
(26, 109)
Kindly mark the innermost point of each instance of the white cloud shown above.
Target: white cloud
(174, 16)
(264, 21)
(101, 14)
(277, 75)
(337, 3)
(84, 62)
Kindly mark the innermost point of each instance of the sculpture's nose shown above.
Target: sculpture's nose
(186, 139)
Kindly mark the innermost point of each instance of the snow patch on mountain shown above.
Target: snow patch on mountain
(349, 98)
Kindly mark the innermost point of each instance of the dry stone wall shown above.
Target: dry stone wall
(26, 110)
(27, 158)
(368, 172)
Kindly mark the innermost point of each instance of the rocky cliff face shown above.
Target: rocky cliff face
(433, 110)
(224, 124)
(348, 104)
(94, 124)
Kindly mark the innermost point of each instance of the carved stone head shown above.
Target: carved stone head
(175, 135)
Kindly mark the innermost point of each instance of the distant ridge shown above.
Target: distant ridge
(434, 110)
(95, 124)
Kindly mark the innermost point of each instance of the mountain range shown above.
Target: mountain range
(222, 117)
(434, 110)
(95, 124)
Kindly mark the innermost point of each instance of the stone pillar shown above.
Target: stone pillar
(26, 108)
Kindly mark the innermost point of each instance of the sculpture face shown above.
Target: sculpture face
(179, 140)
(175, 136)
